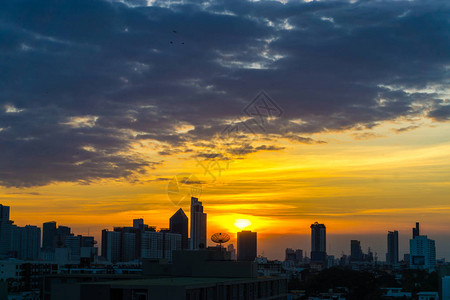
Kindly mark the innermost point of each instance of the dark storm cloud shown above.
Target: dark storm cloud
(82, 80)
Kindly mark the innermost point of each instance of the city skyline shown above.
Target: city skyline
(282, 113)
(251, 149)
(364, 241)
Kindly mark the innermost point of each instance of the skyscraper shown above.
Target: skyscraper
(111, 244)
(25, 242)
(49, 234)
(73, 242)
(392, 248)
(355, 250)
(5, 231)
(318, 242)
(416, 231)
(138, 223)
(61, 233)
(422, 253)
(246, 245)
(198, 225)
(128, 247)
(179, 223)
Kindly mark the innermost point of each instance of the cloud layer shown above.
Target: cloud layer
(82, 81)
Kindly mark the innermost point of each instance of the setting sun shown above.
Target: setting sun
(242, 223)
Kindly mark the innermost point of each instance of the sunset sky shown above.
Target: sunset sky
(103, 104)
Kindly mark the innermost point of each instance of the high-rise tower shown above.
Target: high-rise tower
(198, 225)
(179, 223)
(416, 231)
(392, 248)
(318, 242)
(49, 235)
(246, 245)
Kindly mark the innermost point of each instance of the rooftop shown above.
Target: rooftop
(179, 281)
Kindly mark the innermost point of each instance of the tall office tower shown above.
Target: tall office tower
(160, 244)
(416, 231)
(171, 242)
(230, 248)
(422, 252)
(318, 242)
(49, 235)
(111, 242)
(128, 248)
(104, 243)
(198, 225)
(179, 223)
(152, 244)
(355, 250)
(392, 248)
(246, 245)
(5, 230)
(73, 242)
(30, 248)
(25, 242)
(61, 233)
(136, 236)
(138, 223)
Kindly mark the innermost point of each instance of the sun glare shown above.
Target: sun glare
(242, 223)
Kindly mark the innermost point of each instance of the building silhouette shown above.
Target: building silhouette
(392, 248)
(49, 235)
(54, 236)
(111, 244)
(159, 244)
(422, 253)
(416, 230)
(179, 223)
(207, 274)
(318, 242)
(198, 225)
(127, 244)
(232, 251)
(61, 233)
(5, 233)
(246, 245)
(26, 242)
(138, 223)
(16, 241)
(356, 253)
(295, 256)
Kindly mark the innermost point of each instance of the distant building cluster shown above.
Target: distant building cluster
(18, 242)
(61, 245)
(181, 251)
(422, 254)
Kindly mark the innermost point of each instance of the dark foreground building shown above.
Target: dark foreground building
(193, 275)
(246, 245)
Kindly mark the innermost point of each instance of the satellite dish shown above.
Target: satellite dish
(220, 238)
